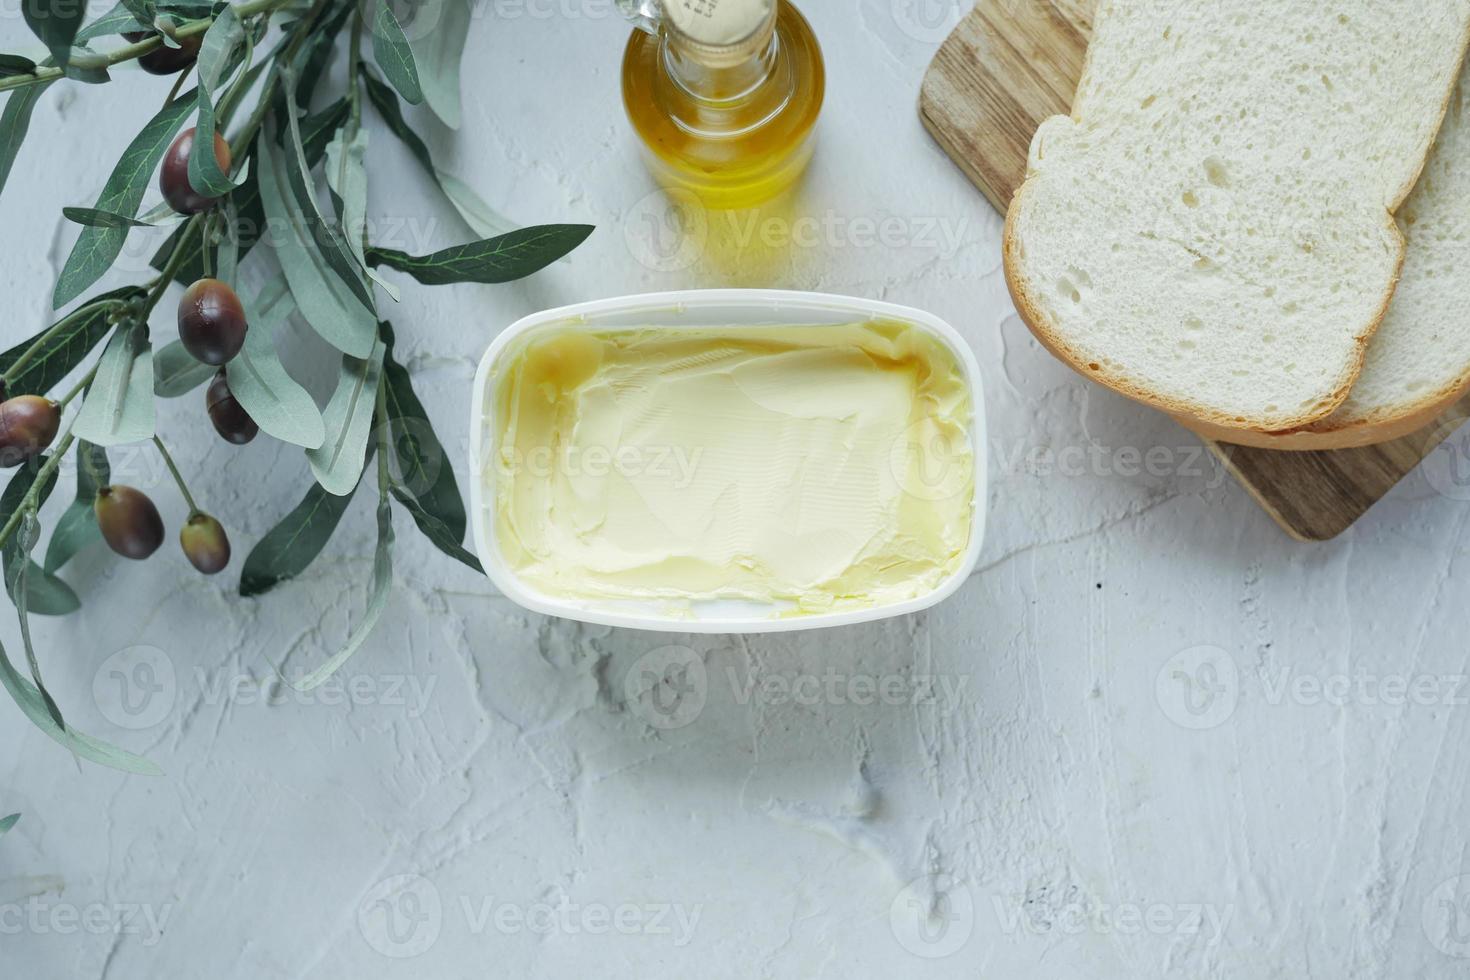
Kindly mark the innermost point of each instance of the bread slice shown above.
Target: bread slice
(1211, 231)
(1418, 362)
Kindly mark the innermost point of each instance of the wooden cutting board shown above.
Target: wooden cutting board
(1012, 63)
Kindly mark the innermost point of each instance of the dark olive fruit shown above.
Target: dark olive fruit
(130, 523)
(173, 177)
(164, 60)
(28, 423)
(211, 321)
(205, 543)
(230, 419)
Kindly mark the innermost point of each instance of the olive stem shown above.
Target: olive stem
(204, 261)
(226, 104)
(354, 73)
(42, 476)
(116, 57)
(380, 417)
(175, 259)
(178, 478)
(76, 389)
(257, 116)
(273, 81)
(173, 93)
(139, 48)
(225, 111)
(30, 353)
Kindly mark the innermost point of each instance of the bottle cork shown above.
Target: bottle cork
(720, 33)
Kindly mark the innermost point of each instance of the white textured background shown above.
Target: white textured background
(1087, 792)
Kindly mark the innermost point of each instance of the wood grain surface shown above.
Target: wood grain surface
(1012, 63)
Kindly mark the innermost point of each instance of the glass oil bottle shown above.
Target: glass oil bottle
(724, 95)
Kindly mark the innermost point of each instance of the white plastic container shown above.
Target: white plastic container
(704, 308)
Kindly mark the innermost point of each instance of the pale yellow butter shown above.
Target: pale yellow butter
(827, 466)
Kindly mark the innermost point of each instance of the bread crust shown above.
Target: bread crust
(1046, 335)
(1368, 431)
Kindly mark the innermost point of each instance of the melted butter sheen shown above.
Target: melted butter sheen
(826, 466)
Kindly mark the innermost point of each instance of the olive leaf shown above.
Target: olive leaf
(347, 180)
(250, 221)
(14, 122)
(259, 382)
(118, 407)
(255, 67)
(24, 540)
(56, 23)
(419, 464)
(61, 352)
(8, 823)
(143, 11)
(393, 54)
(227, 251)
(294, 543)
(435, 530)
(317, 130)
(215, 52)
(96, 218)
(30, 701)
(118, 20)
(437, 46)
(316, 55)
(13, 64)
(324, 300)
(189, 9)
(481, 218)
(377, 600)
(96, 248)
(46, 595)
(176, 372)
(500, 259)
(328, 241)
(20, 485)
(161, 213)
(386, 102)
(338, 461)
(77, 527)
(78, 72)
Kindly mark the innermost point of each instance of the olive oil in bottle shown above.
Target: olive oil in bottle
(724, 95)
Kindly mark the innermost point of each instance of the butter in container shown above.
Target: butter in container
(728, 461)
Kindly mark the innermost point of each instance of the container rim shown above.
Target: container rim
(768, 302)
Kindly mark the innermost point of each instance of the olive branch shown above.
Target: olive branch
(228, 194)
